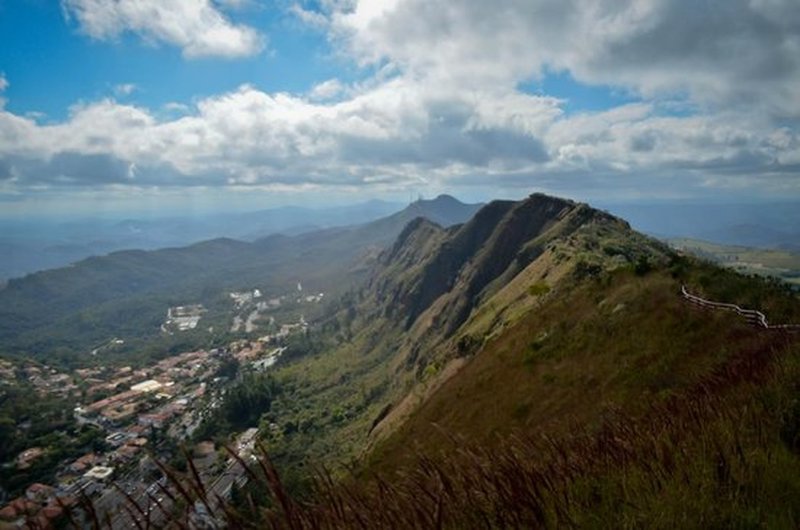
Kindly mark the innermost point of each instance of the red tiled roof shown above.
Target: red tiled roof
(8, 512)
(38, 487)
(52, 512)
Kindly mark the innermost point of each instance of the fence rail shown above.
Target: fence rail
(751, 315)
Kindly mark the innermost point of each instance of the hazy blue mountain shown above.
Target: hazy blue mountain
(773, 225)
(127, 292)
(29, 246)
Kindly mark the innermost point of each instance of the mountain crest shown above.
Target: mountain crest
(433, 279)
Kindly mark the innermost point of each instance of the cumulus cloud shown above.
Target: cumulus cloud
(396, 134)
(196, 26)
(719, 52)
(326, 90)
(718, 85)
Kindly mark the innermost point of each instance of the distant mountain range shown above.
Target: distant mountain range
(33, 245)
(30, 246)
(762, 225)
(126, 292)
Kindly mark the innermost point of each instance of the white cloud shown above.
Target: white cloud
(309, 17)
(196, 26)
(125, 89)
(326, 90)
(727, 52)
(399, 133)
(444, 109)
(176, 107)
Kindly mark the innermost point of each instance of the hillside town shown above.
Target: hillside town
(141, 414)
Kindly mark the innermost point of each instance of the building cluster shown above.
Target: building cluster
(137, 409)
(301, 326)
(41, 506)
(183, 317)
(155, 396)
(311, 298)
(151, 400)
(44, 379)
(242, 298)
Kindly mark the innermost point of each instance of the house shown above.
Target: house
(8, 513)
(157, 419)
(18, 508)
(138, 442)
(116, 438)
(39, 492)
(99, 473)
(26, 457)
(126, 452)
(52, 512)
(150, 385)
(83, 463)
(204, 449)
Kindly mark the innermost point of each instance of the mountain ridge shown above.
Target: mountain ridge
(519, 345)
(441, 281)
(40, 309)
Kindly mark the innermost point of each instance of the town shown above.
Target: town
(140, 417)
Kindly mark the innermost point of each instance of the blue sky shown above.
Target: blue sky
(43, 50)
(143, 105)
(54, 66)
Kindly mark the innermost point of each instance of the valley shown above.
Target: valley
(399, 265)
(784, 264)
(65, 312)
(413, 353)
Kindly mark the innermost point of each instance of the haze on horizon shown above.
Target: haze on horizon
(116, 106)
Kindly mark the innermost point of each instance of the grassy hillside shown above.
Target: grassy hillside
(619, 342)
(614, 404)
(722, 453)
(433, 299)
(578, 389)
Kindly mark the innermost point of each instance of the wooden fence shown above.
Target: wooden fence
(757, 318)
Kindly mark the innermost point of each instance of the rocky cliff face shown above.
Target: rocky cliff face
(465, 264)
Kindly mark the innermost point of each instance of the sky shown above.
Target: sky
(146, 105)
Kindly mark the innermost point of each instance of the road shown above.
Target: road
(115, 503)
(148, 498)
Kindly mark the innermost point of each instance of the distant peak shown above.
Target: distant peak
(439, 199)
(538, 196)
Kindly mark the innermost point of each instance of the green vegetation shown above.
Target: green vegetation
(242, 407)
(690, 422)
(63, 314)
(538, 289)
(781, 264)
(28, 420)
(700, 459)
